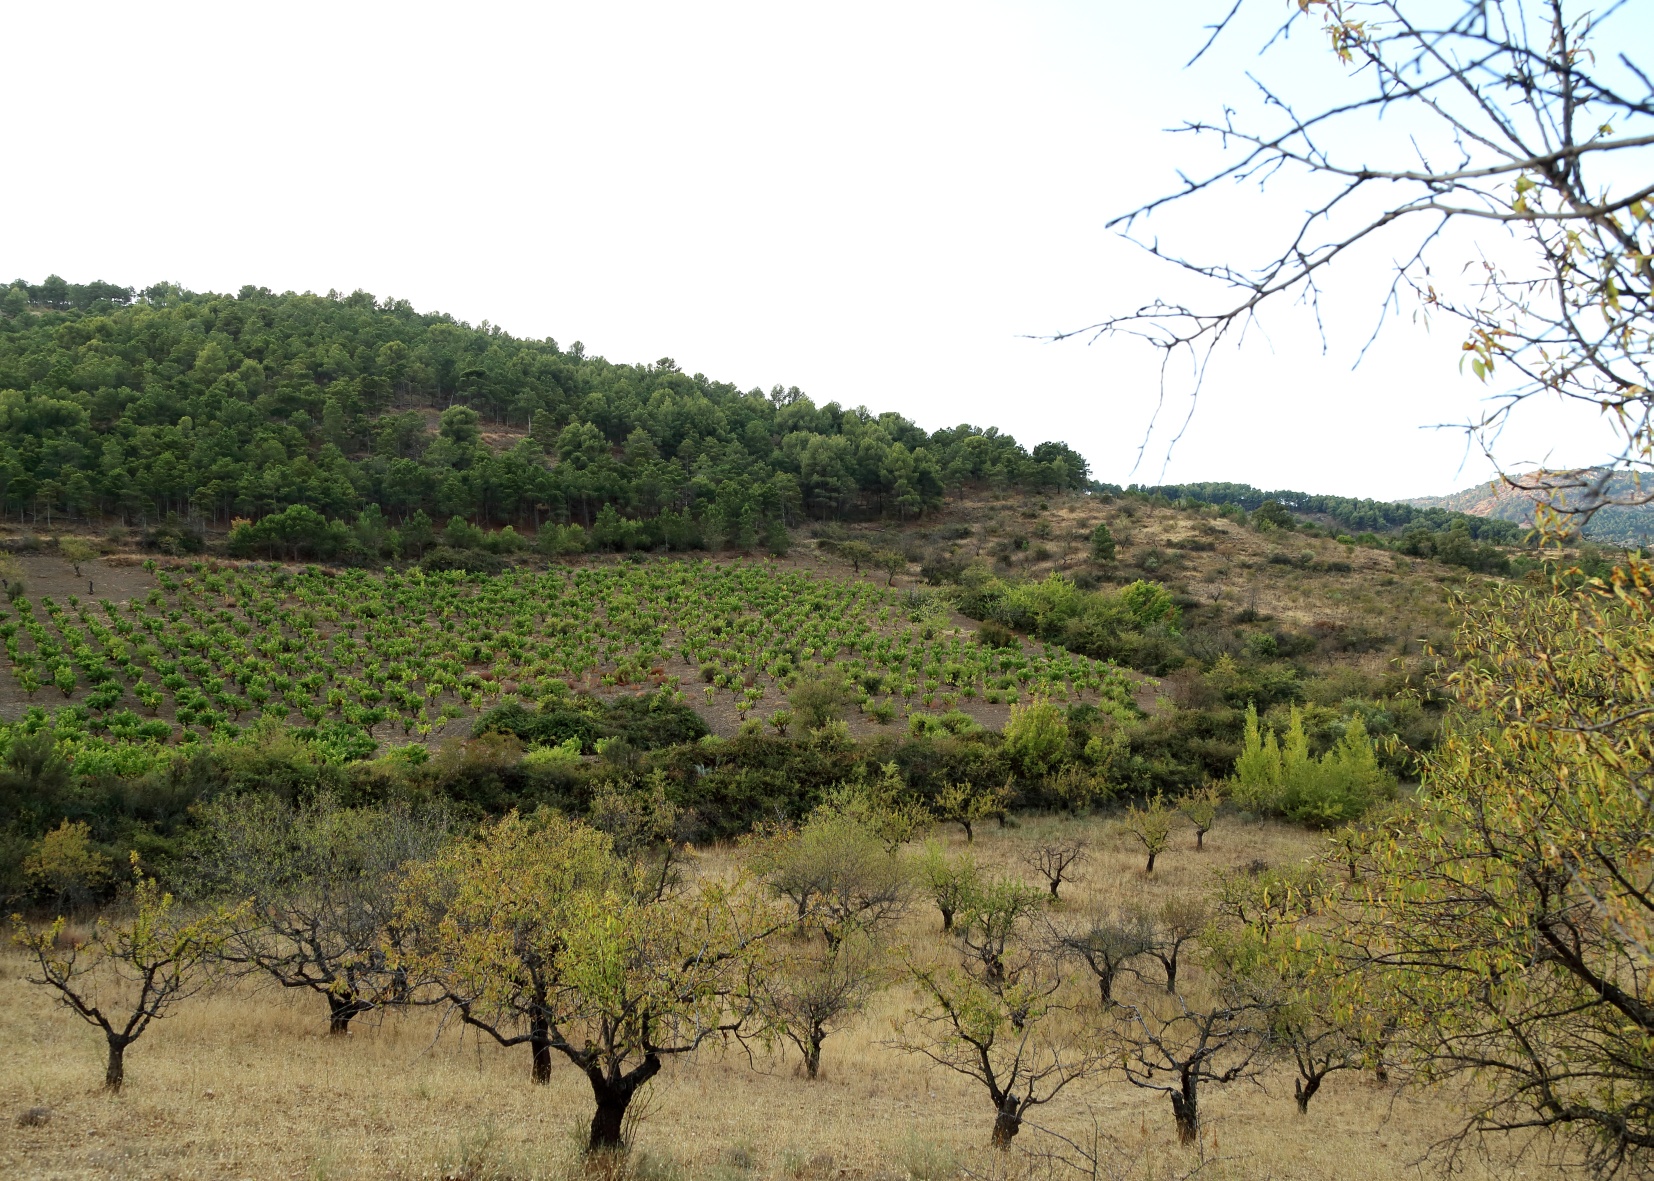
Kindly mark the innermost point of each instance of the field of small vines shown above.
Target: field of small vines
(213, 647)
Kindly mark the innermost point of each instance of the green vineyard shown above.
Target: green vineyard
(213, 647)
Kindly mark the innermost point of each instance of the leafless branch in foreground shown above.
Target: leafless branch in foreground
(1534, 132)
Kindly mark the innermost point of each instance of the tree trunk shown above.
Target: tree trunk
(613, 1097)
(539, 1042)
(1150, 868)
(1303, 1090)
(1105, 985)
(607, 1121)
(340, 1012)
(1055, 882)
(114, 1074)
(1006, 1124)
(1200, 840)
(1185, 1109)
(947, 917)
(970, 836)
(812, 1054)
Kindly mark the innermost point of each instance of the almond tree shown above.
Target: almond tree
(539, 935)
(1152, 827)
(814, 990)
(1003, 1022)
(1272, 943)
(321, 884)
(948, 880)
(1509, 912)
(1057, 861)
(1200, 808)
(1178, 922)
(1106, 943)
(1516, 206)
(129, 972)
(836, 872)
(1172, 1046)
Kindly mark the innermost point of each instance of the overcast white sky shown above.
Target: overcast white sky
(874, 202)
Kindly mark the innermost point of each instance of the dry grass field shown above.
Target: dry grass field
(243, 1083)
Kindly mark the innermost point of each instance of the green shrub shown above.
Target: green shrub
(816, 701)
(1285, 778)
(993, 634)
(648, 721)
(556, 540)
(1036, 738)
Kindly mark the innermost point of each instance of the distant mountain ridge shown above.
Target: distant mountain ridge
(1506, 501)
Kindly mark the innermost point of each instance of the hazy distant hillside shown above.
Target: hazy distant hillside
(1503, 502)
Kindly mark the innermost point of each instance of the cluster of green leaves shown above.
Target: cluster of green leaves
(218, 407)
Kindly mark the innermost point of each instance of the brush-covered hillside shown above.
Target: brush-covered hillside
(314, 599)
(1624, 522)
(310, 544)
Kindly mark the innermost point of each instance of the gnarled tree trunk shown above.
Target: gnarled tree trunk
(340, 1011)
(812, 1053)
(613, 1096)
(1007, 1123)
(539, 1043)
(1186, 1110)
(1303, 1090)
(114, 1073)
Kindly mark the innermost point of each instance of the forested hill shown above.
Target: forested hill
(322, 418)
(1625, 522)
(1353, 515)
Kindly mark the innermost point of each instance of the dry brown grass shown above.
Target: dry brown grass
(244, 1083)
